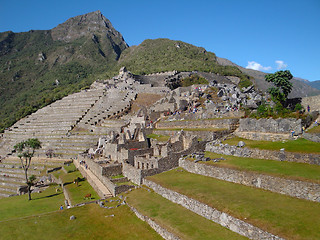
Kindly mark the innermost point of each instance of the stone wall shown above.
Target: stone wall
(160, 230)
(298, 189)
(315, 137)
(206, 123)
(98, 170)
(224, 219)
(204, 135)
(263, 154)
(313, 102)
(268, 129)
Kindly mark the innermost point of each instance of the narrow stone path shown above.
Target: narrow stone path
(94, 181)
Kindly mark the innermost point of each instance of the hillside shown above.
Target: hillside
(162, 55)
(315, 84)
(39, 67)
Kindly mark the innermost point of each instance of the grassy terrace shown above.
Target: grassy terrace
(159, 137)
(92, 222)
(292, 170)
(177, 219)
(285, 216)
(76, 192)
(300, 145)
(314, 130)
(19, 206)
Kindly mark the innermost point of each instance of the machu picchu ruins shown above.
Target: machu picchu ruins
(163, 140)
(110, 130)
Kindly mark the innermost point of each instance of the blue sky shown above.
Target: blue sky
(266, 35)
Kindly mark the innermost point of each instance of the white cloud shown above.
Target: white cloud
(281, 64)
(257, 66)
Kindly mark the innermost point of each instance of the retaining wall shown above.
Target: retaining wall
(263, 154)
(268, 129)
(298, 189)
(160, 230)
(212, 214)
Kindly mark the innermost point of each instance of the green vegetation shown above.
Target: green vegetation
(192, 80)
(283, 86)
(264, 110)
(177, 219)
(116, 177)
(25, 150)
(159, 137)
(293, 170)
(76, 191)
(91, 222)
(17, 207)
(284, 216)
(162, 55)
(70, 168)
(300, 145)
(315, 129)
(36, 70)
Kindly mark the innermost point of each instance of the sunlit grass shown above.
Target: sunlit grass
(293, 170)
(177, 219)
(300, 145)
(279, 214)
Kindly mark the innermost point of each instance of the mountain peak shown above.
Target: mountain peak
(83, 25)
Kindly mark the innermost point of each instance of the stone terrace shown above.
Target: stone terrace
(12, 175)
(53, 123)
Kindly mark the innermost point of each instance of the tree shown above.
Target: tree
(283, 86)
(25, 150)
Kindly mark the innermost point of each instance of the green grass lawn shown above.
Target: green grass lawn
(292, 170)
(70, 168)
(159, 137)
(77, 192)
(92, 222)
(315, 129)
(300, 145)
(177, 219)
(285, 216)
(19, 206)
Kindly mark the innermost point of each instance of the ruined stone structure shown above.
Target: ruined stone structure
(268, 129)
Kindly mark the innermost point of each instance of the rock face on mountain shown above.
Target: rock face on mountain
(93, 25)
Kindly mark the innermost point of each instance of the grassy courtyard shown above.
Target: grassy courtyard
(285, 216)
(91, 222)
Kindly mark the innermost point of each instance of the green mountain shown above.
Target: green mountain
(161, 55)
(39, 67)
